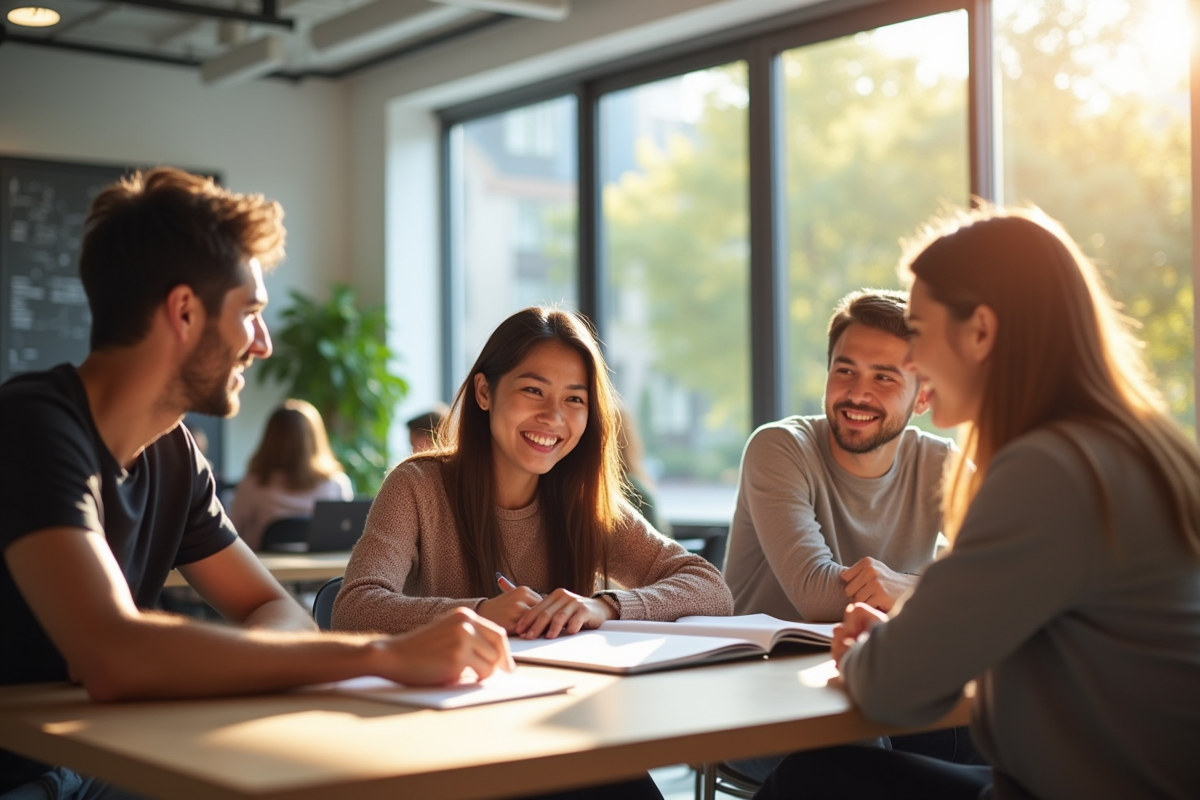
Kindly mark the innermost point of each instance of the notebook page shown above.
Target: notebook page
(498, 688)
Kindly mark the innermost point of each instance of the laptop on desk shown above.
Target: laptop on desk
(336, 524)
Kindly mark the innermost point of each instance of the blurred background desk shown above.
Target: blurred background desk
(291, 567)
(311, 746)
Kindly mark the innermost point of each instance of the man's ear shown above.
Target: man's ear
(481, 391)
(980, 331)
(922, 403)
(184, 313)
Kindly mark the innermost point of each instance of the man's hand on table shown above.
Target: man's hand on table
(872, 582)
(441, 652)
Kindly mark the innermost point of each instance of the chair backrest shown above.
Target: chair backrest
(288, 534)
(323, 603)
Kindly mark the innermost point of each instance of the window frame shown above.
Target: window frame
(760, 45)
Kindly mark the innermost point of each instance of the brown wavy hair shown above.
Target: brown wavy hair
(1062, 352)
(155, 230)
(579, 498)
(296, 447)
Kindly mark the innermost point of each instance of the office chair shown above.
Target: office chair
(721, 777)
(288, 535)
(323, 603)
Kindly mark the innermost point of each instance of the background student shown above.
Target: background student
(528, 485)
(290, 471)
(639, 486)
(423, 427)
(1073, 585)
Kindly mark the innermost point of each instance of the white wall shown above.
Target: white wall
(288, 141)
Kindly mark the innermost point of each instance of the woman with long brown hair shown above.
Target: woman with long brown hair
(291, 470)
(526, 482)
(1072, 589)
(518, 512)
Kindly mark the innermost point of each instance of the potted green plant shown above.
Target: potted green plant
(335, 355)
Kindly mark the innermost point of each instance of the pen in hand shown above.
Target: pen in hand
(507, 586)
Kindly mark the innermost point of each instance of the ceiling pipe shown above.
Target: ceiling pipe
(267, 17)
(244, 62)
(547, 10)
(382, 22)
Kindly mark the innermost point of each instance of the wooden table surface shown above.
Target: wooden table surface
(288, 567)
(308, 746)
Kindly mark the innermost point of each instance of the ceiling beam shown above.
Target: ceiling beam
(95, 15)
(267, 17)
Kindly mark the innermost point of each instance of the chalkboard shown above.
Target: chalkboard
(44, 316)
(44, 319)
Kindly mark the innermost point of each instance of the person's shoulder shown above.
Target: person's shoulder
(178, 446)
(58, 386)
(416, 473)
(35, 401)
(1071, 444)
(800, 431)
(924, 443)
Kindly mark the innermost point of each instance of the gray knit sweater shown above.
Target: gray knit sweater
(1086, 638)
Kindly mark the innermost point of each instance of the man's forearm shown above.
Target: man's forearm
(283, 614)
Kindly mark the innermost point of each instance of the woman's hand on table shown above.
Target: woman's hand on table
(507, 608)
(563, 612)
(860, 618)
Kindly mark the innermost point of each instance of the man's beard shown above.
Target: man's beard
(204, 378)
(851, 443)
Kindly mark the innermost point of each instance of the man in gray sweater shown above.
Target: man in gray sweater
(843, 507)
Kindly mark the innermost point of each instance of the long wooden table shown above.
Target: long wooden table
(315, 747)
(290, 567)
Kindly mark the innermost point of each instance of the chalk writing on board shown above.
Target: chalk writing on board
(45, 314)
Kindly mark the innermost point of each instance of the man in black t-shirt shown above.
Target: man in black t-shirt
(103, 491)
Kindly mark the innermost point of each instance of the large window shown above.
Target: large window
(1096, 132)
(512, 220)
(673, 166)
(874, 142)
(729, 196)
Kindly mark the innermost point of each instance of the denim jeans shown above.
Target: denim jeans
(64, 784)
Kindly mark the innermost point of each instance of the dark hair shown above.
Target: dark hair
(579, 499)
(294, 445)
(153, 231)
(882, 309)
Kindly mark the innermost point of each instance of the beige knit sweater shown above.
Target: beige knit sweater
(408, 568)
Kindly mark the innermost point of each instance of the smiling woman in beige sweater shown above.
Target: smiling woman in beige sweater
(526, 482)
(518, 512)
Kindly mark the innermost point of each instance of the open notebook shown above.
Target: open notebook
(631, 646)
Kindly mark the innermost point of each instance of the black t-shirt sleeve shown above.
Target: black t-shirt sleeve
(209, 529)
(48, 476)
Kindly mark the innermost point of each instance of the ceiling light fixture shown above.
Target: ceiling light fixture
(548, 10)
(32, 17)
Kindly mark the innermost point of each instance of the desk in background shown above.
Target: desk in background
(291, 567)
(314, 747)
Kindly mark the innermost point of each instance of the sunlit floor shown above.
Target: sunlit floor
(676, 783)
